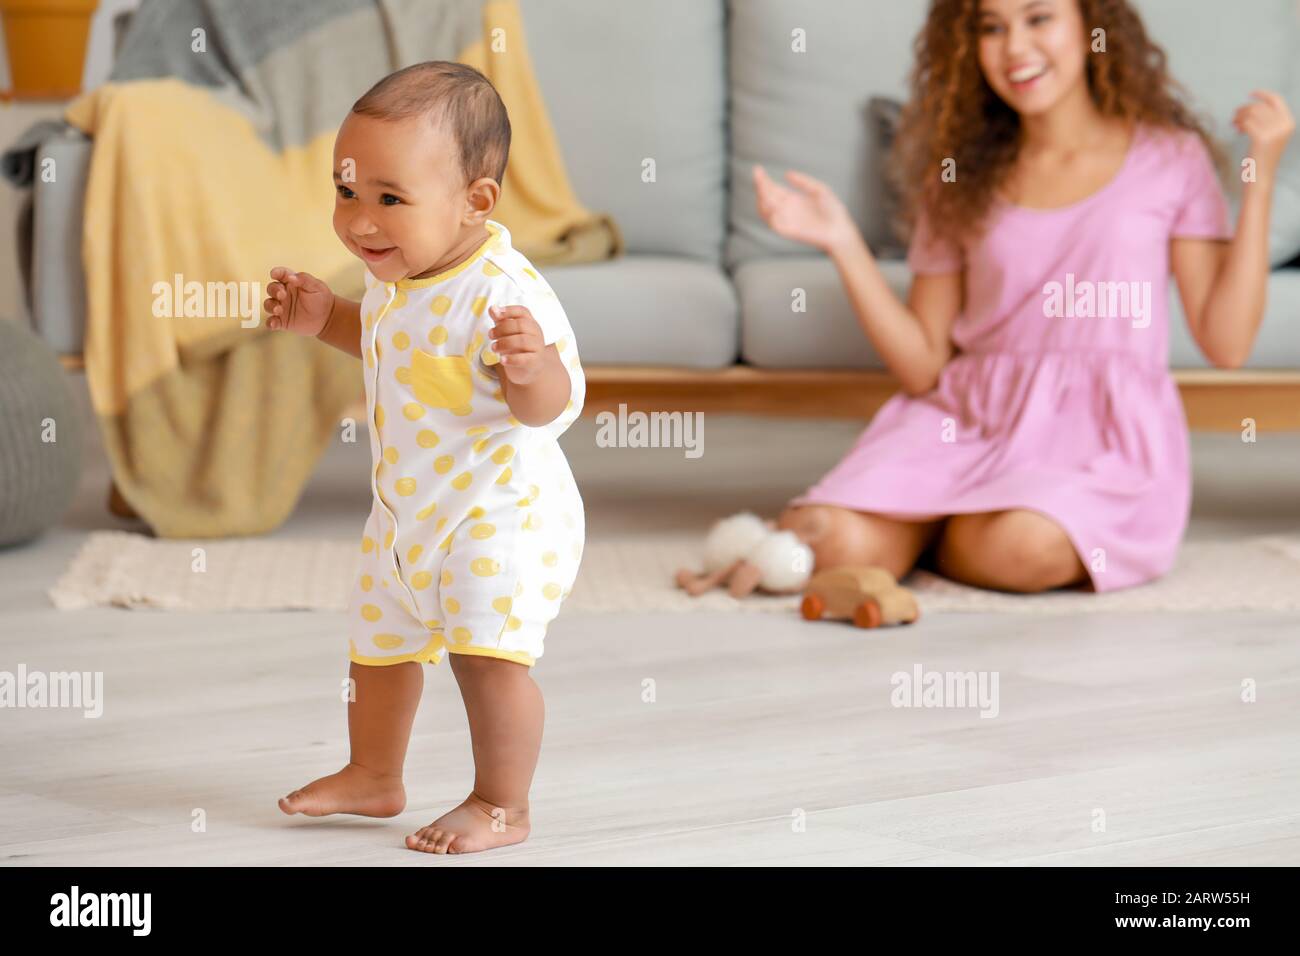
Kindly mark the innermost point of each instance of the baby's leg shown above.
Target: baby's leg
(506, 712)
(379, 728)
(841, 536)
(1018, 550)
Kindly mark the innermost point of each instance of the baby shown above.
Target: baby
(471, 374)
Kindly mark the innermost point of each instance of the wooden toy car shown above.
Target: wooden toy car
(869, 597)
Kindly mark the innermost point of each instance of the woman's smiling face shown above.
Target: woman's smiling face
(400, 201)
(1032, 52)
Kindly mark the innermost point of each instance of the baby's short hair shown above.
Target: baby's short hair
(456, 95)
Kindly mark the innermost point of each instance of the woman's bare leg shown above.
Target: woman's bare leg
(841, 536)
(1017, 550)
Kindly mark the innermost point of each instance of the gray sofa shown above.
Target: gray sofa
(698, 90)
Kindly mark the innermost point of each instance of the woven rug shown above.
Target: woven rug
(632, 574)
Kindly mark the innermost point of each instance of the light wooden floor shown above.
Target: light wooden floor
(756, 720)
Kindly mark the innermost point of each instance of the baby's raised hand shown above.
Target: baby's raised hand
(517, 339)
(810, 213)
(297, 301)
(1269, 124)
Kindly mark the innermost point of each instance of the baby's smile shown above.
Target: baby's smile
(376, 254)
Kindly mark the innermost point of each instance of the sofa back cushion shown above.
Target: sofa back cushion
(801, 76)
(630, 84)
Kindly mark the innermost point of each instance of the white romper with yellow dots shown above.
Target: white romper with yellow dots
(477, 527)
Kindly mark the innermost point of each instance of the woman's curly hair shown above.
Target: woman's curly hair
(954, 114)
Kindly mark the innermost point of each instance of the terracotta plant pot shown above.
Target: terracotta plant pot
(46, 42)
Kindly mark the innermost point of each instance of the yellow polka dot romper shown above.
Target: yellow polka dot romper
(476, 529)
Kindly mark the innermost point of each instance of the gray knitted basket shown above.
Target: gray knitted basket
(37, 477)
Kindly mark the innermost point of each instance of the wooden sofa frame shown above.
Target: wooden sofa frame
(1215, 399)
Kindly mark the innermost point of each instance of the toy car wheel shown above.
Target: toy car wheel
(812, 607)
(867, 614)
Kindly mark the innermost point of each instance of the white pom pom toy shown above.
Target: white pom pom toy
(733, 539)
(746, 553)
(784, 561)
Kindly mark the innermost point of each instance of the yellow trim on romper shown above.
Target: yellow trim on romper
(519, 657)
(454, 270)
(431, 653)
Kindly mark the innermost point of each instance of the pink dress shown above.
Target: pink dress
(1058, 398)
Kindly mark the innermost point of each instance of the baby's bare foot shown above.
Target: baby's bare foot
(353, 789)
(474, 825)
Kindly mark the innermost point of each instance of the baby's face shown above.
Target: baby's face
(401, 203)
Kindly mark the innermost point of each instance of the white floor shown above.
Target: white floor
(1118, 739)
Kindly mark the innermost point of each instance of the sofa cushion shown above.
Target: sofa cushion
(808, 110)
(650, 310)
(827, 334)
(627, 82)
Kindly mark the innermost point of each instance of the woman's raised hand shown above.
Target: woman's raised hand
(810, 212)
(1269, 124)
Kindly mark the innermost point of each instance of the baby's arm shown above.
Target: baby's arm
(534, 381)
(1224, 288)
(343, 327)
